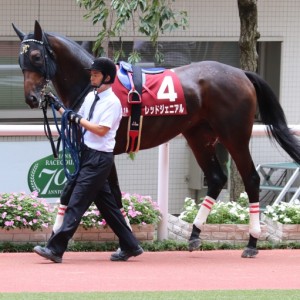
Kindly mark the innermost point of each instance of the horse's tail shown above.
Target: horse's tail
(273, 117)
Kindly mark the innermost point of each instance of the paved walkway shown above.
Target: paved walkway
(152, 271)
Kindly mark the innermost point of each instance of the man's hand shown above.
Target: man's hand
(53, 101)
(74, 117)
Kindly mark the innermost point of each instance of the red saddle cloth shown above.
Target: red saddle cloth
(162, 95)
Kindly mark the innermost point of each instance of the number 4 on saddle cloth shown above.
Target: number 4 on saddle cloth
(147, 92)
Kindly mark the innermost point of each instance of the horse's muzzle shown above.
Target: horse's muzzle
(32, 101)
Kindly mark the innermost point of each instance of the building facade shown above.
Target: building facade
(213, 34)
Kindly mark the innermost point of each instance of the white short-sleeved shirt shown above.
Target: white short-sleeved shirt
(107, 112)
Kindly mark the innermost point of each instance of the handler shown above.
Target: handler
(100, 116)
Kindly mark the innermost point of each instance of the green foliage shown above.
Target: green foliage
(221, 213)
(92, 218)
(149, 17)
(132, 155)
(156, 246)
(171, 245)
(228, 213)
(190, 209)
(8, 247)
(243, 200)
(139, 209)
(20, 210)
(92, 247)
(285, 213)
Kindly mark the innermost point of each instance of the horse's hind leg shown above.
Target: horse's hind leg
(205, 154)
(241, 155)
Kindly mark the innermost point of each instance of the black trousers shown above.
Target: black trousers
(113, 184)
(91, 185)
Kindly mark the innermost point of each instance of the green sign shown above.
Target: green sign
(47, 176)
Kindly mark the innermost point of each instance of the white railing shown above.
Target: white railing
(25, 130)
(33, 130)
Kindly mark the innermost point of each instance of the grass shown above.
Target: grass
(173, 295)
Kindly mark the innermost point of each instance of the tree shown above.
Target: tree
(151, 18)
(248, 61)
(248, 34)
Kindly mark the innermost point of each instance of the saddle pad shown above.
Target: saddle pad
(162, 95)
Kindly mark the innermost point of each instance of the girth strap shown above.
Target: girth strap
(136, 119)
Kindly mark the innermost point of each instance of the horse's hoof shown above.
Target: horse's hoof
(249, 252)
(194, 244)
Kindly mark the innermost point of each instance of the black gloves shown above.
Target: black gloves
(74, 117)
(53, 101)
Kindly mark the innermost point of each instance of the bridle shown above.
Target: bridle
(47, 69)
(48, 75)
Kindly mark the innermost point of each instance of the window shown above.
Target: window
(13, 107)
(11, 78)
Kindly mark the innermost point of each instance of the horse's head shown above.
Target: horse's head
(36, 60)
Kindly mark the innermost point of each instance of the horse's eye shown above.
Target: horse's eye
(36, 57)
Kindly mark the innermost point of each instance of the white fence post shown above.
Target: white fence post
(163, 190)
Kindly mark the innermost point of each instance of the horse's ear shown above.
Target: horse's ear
(38, 32)
(19, 33)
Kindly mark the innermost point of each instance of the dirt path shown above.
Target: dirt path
(152, 271)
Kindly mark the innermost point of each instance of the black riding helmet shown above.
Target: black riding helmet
(106, 66)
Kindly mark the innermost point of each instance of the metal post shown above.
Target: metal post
(163, 190)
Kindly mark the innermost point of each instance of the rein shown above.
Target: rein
(72, 140)
(69, 136)
(47, 129)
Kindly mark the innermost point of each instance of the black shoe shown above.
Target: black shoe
(116, 254)
(47, 253)
(122, 255)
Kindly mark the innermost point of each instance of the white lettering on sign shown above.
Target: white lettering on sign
(167, 90)
(54, 176)
(171, 109)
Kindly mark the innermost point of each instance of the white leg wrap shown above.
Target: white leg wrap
(204, 211)
(125, 217)
(59, 217)
(254, 224)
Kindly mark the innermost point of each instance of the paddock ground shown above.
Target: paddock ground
(152, 271)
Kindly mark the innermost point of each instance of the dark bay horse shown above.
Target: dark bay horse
(220, 101)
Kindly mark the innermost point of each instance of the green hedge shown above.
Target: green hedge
(166, 245)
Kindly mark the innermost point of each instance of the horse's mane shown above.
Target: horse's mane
(75, 48)
(79, 59)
